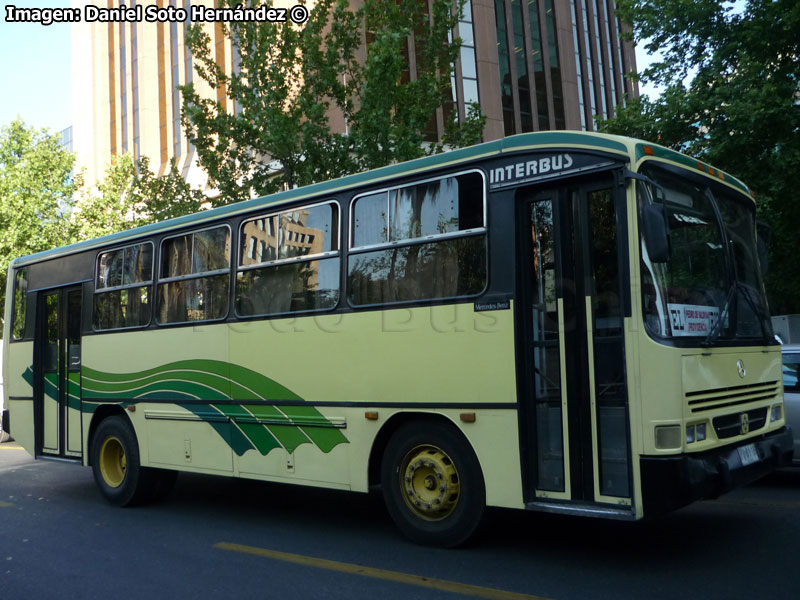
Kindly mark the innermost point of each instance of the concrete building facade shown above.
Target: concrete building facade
(531, 65)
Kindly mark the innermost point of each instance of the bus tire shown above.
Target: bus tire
(432, 484)
(115, 464)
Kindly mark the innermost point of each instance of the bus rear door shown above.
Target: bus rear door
(57, 365)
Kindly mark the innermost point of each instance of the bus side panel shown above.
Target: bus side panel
(429, 356)
(212, 382)
(18, 389)
(174, 377)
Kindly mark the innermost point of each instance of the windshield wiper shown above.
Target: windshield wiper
(717, 329)
(758, 310)
(723, 234)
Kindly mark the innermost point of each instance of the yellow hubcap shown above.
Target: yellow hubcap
(113, 462)
(430, 483)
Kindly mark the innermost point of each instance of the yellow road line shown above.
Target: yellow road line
(5, 504)
(11, 447)
(418, 580)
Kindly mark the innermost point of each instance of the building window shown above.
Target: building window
(611, 68)
(504, 62)
(135, 90)
(600, 62)
(123, 62)
(418, 242)
(194, 279)
(537, 54)
(536, 70)
(469, 70)
(521, 60)
(176, 94)
(122, 287)
(555, 66)
(587, 46)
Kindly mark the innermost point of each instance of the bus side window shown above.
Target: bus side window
(20, 300)
(122, 287)
(419, 242)
(194, 278)
(290, 264)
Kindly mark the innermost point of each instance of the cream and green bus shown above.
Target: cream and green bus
(558, 321)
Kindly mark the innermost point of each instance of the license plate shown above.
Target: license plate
(748, 454)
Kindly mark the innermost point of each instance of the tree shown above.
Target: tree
(269, 124)
(36, 188)
(109, 208)
(394, 110)
(732, 97)
(166, 197)
(42, 206)
(131, 195)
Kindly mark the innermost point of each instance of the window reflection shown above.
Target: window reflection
(446, 267)
(122, 287)
(546, 351)
(192, 287)
(284, 246)
(20, 301)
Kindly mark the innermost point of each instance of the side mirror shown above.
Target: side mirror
(763, 239)
(656, 234)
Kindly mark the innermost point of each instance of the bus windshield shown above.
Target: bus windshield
(710, 288)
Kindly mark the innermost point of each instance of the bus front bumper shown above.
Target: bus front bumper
(669, 482)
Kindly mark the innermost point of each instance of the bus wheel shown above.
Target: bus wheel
(115, 463)
(432, 484)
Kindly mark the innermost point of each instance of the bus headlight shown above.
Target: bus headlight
(695, 433)
(668, 437)
(701, 432)
(776, 413)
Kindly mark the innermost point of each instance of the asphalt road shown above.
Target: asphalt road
(224, 538)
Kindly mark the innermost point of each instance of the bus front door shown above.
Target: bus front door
(575, 413)
(57, 371)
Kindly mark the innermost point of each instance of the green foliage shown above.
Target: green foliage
(109, 208)
(166, 197)
(35, 194)
(42, 206)
(269, 123)
(740, 110)
(288, 78)
(131, 195)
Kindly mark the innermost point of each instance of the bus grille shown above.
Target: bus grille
(715, 399)
(728, 426)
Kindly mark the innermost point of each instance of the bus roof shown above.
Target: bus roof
(636, 151)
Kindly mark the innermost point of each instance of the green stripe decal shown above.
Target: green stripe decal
(74, 390)
(326, 439)
(243, 426)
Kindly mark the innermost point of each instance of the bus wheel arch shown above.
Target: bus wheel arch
(101, 414)
(116, 464)
(431, 479)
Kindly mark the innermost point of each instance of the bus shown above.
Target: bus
(556, 321)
